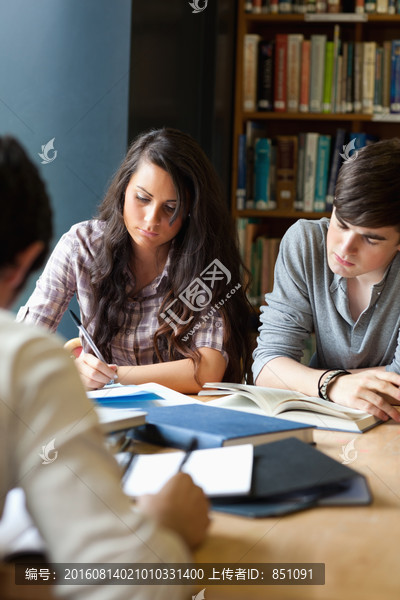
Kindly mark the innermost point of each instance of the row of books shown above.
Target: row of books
(292, 172)
(259, 253)
(317, 75)
(256, 7)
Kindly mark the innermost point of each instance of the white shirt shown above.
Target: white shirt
(75, 501)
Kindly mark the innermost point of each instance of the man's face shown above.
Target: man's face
(357, 251)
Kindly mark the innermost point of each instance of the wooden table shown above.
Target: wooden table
(359, 545)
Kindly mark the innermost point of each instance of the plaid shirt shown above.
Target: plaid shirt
(67, 273)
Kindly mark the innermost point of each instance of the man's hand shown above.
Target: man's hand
(372, 391)
(181, 506)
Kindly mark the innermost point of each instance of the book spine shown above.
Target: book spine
(317, 72)
(370, 6)
(335, 166)
(262, 173)
(395, 78)
(250, 58)
(358, 60)
(293, 71)
(304, 105)
(241, 173)
(299, 204)
(378, 89)
(343, 78)
(382, 7)
(321, 176)
(386, 66)
(336, 69)
(310, 163)
(280, 79)
(349, 105)
(286, 171)
(368, 77)
(328, 77)
(265, 93)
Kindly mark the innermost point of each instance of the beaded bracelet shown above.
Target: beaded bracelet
(322, 389)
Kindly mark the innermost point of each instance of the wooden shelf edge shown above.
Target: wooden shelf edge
(279, 214)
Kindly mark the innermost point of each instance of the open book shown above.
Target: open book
(290, 405)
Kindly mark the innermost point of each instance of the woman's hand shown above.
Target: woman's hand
(94, 373)
(374, 391)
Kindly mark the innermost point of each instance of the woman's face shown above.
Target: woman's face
(150, 202)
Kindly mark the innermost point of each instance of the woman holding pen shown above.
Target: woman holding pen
(157, 274)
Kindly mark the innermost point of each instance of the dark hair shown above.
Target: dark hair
(368, 186)
(24, 204)
(206, 234)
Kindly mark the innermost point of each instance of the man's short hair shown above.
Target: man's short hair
(24, 204)
(368, 186)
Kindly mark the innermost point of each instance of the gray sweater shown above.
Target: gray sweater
(308, 297)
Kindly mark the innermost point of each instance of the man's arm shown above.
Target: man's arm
(374, 390)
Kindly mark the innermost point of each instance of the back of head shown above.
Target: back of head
(368, 186)
(24, 204)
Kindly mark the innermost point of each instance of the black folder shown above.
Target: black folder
(289, 475)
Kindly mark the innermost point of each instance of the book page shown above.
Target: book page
(218, 471)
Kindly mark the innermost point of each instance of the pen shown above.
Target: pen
(88, 338)
(186, 456)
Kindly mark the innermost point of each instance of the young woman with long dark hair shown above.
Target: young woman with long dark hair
(157, 274)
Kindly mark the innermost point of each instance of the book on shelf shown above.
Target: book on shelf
(294, 45)
(291, 405)
(286, 171)
(358, 87)
(304, 100)
(254, 130)
(378, 83)
(212, 426)
(317, 65)
(328, 77)
(386, 75)
(265, 76)
(321, 174)
(299, 201)
(241, 173)
(395, 77)
(336, 162)
(280, 75)
(368, 77)
(310, 166)
(250, 68)
(262, 176)
(336, 70)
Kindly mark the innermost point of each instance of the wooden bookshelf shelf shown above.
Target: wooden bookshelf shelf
(347, 32)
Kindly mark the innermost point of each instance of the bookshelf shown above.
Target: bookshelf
(351, 28)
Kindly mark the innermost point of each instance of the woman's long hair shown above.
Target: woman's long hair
(207, 235)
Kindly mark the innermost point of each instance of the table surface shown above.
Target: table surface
(359, 545)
